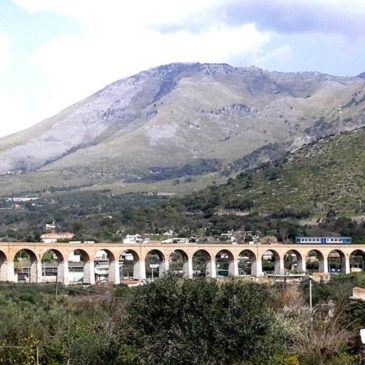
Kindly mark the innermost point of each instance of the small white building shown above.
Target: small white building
(51, 226)
(53, 237)
(180, 240)
(101, 255)
(133, 238)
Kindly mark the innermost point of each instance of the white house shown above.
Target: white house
(133, 238)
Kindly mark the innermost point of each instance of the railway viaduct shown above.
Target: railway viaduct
(233, 253)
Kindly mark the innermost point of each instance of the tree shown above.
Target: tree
(174, 321)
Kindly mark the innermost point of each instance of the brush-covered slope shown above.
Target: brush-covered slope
(327, 175)
(181, 119)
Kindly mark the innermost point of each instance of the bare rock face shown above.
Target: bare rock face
(181, 115)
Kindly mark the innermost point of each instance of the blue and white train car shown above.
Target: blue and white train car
(323, 240)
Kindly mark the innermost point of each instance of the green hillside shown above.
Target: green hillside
(328, 175)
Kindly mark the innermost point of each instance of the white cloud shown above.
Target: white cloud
(12, 117)
(118, 38)
(10, 107)
(79, 65)
(281, 55)
(5, 56)
(95, 13)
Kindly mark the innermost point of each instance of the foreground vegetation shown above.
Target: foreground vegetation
(175, 321)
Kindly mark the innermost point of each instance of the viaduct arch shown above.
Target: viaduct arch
(186, 259)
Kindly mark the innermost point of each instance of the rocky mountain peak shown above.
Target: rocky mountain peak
(183, 118)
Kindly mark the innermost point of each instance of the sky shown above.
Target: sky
(56, 52)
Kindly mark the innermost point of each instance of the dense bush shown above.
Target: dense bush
(67, 329)
(174, 321)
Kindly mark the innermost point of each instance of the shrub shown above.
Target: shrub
(174, 321)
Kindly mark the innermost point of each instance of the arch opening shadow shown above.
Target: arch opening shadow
(25, 266)
(3, 267)
(52, 266)
(129, 266)
(224, 261)
(247, 264)
(80, 267)
(357, 261)
(179, 263)
(105, 266)
(293, 262)
(336, 262)
(314, 261)
(156, 265)
(271, 262)
(202, 264)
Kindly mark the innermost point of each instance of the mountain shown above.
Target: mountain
(180, 120)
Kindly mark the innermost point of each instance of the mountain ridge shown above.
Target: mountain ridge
(177, 115)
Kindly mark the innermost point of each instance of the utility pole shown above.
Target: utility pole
(310, 295)
(57, 282)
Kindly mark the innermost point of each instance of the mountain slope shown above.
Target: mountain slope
(327, 175)
(180, 118)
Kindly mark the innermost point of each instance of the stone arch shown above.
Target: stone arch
(52, 266)
(81, 267)
(271, 262)
(247, 263)
(3, 266)
(130, 265)
(315, 261)
(156, 264)
(357, 261)
(225, 263)
(294, 261)
(203, 264)
(336, 261)
(106, 267)
(26, 266)
(179, 263)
